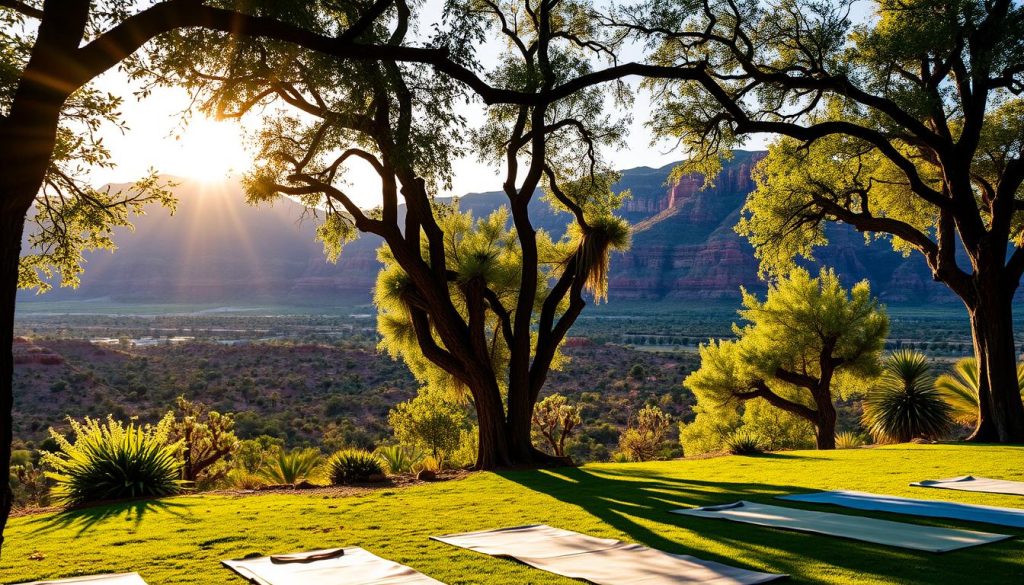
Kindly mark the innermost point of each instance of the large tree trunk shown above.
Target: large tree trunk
(11, 225)
(825, 425)
(1000, 412)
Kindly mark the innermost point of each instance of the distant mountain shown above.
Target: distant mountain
(216, 249)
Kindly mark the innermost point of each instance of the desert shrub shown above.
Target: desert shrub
(291, 467)
(252, 454)
(398, 458)
(774, 429)
(620, 457)
(642, 439)
(354, 466)
(29, 485)
(429, 422)
(554, 421)
(743, 442)
(113, 461)
(904, 404)
(468, 451)
(850, 440)
(245, 480)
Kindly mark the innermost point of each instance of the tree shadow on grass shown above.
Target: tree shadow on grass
(630, 500)
(82, 520)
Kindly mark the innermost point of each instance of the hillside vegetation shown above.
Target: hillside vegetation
(181, 540)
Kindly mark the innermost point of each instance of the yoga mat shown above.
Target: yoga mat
(1013, 517)
(910, 536)
(118, 579)
(969, 483)
(355, 567)
(600, 560)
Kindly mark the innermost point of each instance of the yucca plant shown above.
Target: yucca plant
(398, 458)
(743, 442)
(850, 440)
(291, 467)
(905, 404)
(114, 461)
(959, 388)
(354, 466)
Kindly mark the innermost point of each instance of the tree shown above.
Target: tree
(643, 437)
(959, 389)
(555, 420)
(206, 436)
(474, 306)
(907, 127)
(797, 344)
(429, 422)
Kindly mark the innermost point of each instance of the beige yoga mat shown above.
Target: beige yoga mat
(600, 560)
(350, 566)
(118, 579)
(912, 536)
(969, 483)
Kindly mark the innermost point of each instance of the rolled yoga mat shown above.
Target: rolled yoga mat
(912, 536)
(349, 566)
(1013, 517)
(600, 560)
(968, 483)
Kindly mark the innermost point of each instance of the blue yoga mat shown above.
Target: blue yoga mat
(1013, 517)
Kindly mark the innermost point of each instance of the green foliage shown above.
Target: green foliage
(774, 429)
(207, 438)
(959, 389)
(904, 403)
(113, 461)
(743, 442)
(354, 466)
(429, 422)
(554, 421)
(807, 328)
(643, 438)
(850, 440)
(251, 454)
(398, 458)
(291, 467)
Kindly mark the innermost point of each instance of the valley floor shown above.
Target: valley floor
(181, 540)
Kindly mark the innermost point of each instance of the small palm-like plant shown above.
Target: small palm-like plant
(959, 389)
(354, 466)
(114, 461)
(291, 467)
(399, 459)
(743, 442)
(849, 440)
(905, 404)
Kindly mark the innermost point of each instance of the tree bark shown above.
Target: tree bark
(11, 226)
(825, 427)
(1000, 411)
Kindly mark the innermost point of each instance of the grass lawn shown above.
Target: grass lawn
(181, 540)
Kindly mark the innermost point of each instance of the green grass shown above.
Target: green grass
(181, 540)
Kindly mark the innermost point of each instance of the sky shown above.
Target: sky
(209, 150)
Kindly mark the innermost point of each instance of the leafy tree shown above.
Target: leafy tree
(773, 429)
(206, 436)
(429, 422)
(50, 117)
(554, 421)
(959, 389)
(644, 435)
(907, 127)
(473, 306)
(797, 344)
(904, 403)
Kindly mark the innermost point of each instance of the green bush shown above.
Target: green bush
(905, 404)
(114, 461)
(399, 459)
(850, 440)
(354, 466)
(743, 442)
(291, 467)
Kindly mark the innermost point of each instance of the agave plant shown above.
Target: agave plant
(743, 442)
(291, 467)
(905, 404)
(113, 461)
(399, 459)
(354, 466)
(848, 440)
(959, 389)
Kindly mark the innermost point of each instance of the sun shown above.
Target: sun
(209, 151)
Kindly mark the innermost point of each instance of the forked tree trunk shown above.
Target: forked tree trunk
(11, 226)
(1000, 411)
(505, 440)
